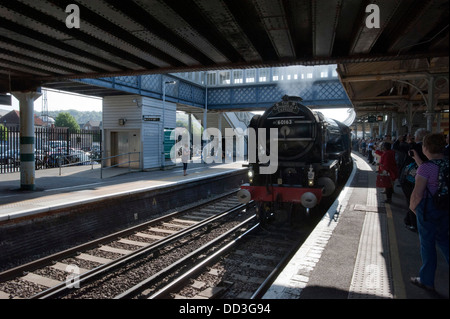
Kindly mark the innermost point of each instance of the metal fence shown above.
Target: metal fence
(53, 147)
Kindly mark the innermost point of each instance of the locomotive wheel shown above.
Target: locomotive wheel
(274, 214)
(264, 213)
(302, 216)
(281, 216)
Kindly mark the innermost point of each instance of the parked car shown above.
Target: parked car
(11, 156)
(57, 159)
(96, 155)
(80, 156)
(57, 144)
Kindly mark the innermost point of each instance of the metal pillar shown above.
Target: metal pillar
(190, 128)
(431, 104)
(386, 127)
(27, 165)
(219, 121)
(205, 121)
(410, 117)
(438, 122)
(363, 130)
(191, 133)
(163, 155)
(219, 142)
(394, 125)
(380, 129)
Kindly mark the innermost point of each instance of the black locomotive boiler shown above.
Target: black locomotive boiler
(314, 155)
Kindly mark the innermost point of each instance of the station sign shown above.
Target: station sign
(151, 118)
(374, 118)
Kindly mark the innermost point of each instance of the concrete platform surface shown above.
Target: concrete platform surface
(360, 249)
(83, 184)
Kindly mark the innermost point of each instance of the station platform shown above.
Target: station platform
(360, 249)
(78, 206)
(74, 185)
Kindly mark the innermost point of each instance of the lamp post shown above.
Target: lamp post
(163, 157)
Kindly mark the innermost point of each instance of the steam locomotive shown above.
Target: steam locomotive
(314, 156)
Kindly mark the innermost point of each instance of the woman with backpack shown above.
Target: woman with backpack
(408, 173)
(432, 222)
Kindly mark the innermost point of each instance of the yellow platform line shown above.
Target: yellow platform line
(399, 287)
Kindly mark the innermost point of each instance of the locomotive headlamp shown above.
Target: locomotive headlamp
(310, 176)
(250, 173)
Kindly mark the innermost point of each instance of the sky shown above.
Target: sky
(57, 100)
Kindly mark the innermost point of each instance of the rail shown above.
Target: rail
(90, 275)
(195, 269)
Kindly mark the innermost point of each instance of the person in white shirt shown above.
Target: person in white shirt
(185, 156)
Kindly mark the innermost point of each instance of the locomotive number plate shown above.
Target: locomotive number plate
(283, 122)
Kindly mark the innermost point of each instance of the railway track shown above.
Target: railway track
(54, 275)
(242, 269)
(245, 267)
(214, 250)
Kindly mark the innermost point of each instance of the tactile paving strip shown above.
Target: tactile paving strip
(372, 276)
(290, 283)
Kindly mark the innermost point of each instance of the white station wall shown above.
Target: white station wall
(134, 112)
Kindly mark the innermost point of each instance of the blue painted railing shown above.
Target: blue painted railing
(320, 92)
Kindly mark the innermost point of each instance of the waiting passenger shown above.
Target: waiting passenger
(185, 156)
(432, 223)
(363, 147)
(401, 148)
(408, 177)
(417, 146)
(387, 163)
(370, 157)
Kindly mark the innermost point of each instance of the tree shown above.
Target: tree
(3, 133)
(66, 120)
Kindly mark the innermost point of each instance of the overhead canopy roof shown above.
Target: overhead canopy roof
(118, 37)
(391, 85)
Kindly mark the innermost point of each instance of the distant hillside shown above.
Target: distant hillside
(80, 117)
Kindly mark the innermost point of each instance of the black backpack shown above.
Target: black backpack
(441, 198)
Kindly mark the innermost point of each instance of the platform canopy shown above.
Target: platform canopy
(48, 40)
(386, 51)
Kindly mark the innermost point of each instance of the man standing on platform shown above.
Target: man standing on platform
(185, 156)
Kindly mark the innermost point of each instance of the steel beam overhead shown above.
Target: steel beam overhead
(41, 43)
